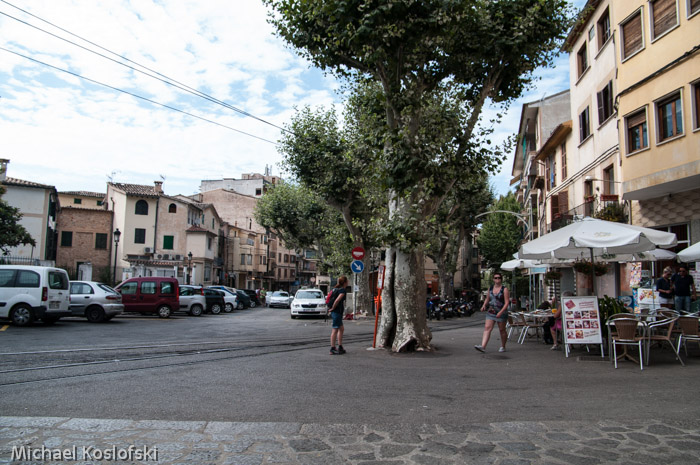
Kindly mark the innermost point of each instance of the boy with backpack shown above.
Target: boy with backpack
(336, 307)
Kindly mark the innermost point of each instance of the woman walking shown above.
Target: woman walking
(497, 305)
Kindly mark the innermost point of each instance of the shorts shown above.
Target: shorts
(502, 319)
(337, 318)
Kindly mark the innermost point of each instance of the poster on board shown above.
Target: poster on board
(581, 321)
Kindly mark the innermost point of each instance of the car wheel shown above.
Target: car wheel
(22, 315)
(252, 304)
(239, 305)
(164, 311)
(216, 309)
(94, 314)
(228, 308)
(196, 310)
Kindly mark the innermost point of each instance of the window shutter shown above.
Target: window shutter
(694, 6)
(636, 119)
(601, 107)
(547, 174)
(664, 16)
(554, 205)
(632, 32)
(563, 202)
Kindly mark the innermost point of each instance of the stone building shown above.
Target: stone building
(85, 242)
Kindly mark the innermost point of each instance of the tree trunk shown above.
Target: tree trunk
(404, 325)
(446, 288)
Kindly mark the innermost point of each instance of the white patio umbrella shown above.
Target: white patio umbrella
(691, 254)
(519, 263)
(591, 238)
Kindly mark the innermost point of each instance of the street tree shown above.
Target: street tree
(12, 234)
(501, 233)
(426, 55)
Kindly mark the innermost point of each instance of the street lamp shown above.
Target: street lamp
(189, 267)
(117, 234)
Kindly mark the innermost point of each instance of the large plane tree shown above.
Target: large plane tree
(425, 54)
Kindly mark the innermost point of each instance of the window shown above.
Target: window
(609, 181)
(584, 122)
(605, 103)
(591, 33)
(696, 102)
(141, 208)
(139, 236)
(582, 59)
(242, 259)
(100, 241)
(670, 117)
(172, 208)
(168, 242)
(77, 201)
(693, 7)
(632, 40)
(148, 287)
(208, 243)
(663, 16)
(66, 239)
(99, 203)
(637, 138)
(7, 278)
(207, 272)
(552, 172)
(58, 280)
(286, 258)
(128, 288)
(258, 191)
(603, 29)
(27, 278)
(563, 162)
(249, 259)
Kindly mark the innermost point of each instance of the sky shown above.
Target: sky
(77, 135)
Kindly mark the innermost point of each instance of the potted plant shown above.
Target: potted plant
(612, 212)
(552, 275)
(582, 266)
(599, 268)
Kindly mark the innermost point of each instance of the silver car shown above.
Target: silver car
(279, 299)
(95, 301)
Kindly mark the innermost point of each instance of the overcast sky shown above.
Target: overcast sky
(61, 130)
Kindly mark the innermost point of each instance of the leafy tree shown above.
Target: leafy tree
(12, 234)
(500, 232)
(438, 62)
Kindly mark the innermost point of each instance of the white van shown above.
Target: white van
(29, 293)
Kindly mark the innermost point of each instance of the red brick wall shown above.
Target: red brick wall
(84, 223)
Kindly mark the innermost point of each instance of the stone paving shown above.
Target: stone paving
(223, 443)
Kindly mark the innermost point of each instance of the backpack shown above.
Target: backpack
(329, 297)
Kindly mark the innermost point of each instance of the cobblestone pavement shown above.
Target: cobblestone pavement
(201, 443)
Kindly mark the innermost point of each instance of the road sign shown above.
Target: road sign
(358, 253)
(357, 266)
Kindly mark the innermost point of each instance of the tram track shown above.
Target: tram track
(21, 370)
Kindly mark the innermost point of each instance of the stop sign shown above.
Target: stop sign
(358, 253)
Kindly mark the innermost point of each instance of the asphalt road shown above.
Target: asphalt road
(260, 366)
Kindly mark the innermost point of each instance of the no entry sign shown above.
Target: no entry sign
(358, 253)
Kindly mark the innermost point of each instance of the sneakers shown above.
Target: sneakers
(502, 349)
(341, 351)
(555, 347)
(480, 349)
(333, 351)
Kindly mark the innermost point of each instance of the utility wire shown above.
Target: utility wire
(166, 80)
(136, 95)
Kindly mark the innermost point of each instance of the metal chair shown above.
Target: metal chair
(627, 333)
(660, 331)
(690, 331)
(514, 325)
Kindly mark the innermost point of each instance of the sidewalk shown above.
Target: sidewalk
(508, 443)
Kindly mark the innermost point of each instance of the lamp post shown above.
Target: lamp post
(117, 234)
(189, 267)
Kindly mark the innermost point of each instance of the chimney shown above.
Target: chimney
(158, 187)
(3, 169)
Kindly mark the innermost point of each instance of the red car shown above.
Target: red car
(150, 295)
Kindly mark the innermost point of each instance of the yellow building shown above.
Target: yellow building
(658, 101)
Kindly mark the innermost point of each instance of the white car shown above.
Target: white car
(230, 298)
(308, 302)
(279, 299)
(29, 293)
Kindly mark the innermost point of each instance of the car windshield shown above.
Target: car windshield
(280, 294)
(309, 295)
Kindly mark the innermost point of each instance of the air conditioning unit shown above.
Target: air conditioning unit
(159, 256)
(177, 257)
(166, 256)
(148, 250)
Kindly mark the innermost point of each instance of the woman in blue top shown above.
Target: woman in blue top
(497, 304)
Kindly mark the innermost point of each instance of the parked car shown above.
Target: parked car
(29, 293)
(244, 298)
(230, 297)
(279, 299)
(192, 300)
(150, 295)
(214, 298)
(254, 299)
(229, 291)
(308, 302)
(95, 301)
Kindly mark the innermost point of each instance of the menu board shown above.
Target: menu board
(581, 320)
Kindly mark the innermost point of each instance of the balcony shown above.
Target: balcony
(608, 208)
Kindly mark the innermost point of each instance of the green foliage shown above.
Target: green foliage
(12, 234)
(500, 233)
(612, 212)
(608, 306)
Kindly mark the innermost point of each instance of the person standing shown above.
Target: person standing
(497, 303)
(337, 309)
(665, 288)
(683, 284)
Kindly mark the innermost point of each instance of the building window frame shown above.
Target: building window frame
(168, 242)
(584, 125)
(643, 133)
(689, 7)
(139, 236)
(675, 100)
(564, 173)
(695, 104)
(66, 238)
(141, 207)
(77, 201)
(582, 64)
(652, 27)
(637, 15)
(606, 106)
(604, 29)
(101, 241)
(172, 208)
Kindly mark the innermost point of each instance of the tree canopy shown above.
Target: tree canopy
(500, 232)
(12, 234)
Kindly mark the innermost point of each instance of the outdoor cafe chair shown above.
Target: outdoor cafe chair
(628, 332)
(527, 324)
(662, 331)
(690, 331)
(514, 324)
